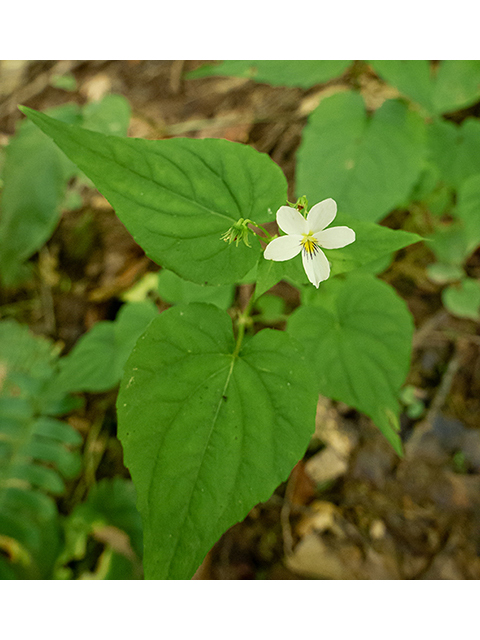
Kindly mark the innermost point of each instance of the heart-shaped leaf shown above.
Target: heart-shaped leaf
(367, 164)
(208, 433)
(358, 333)
(454, 84)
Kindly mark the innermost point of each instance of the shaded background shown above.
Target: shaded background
(351, 509)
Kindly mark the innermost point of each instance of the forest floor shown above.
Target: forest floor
(351, 509)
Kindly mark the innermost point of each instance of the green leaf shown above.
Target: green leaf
(441, 273)
(39, 477)
(457, 85)
(41, 450)
(454, 86)
(358, 333)
(175, 290)
(271, 310)
(468, 210)
(269, 272)
(463, 299)
(111, 115)
(289, 73)
(455, 149)
(23, 352)
(411, 77)
(208, 434)
(96, 361)
(467, 152)
(368, 165)
(34, 178)
(372, 243)
(442, 141)
(67, 82)
(449, 244)
(35, 452)
(56, 430)
(178, 196)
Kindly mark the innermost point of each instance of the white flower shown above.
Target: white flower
(309, 236)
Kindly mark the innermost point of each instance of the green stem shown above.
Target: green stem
(242, 323)
(268, 238)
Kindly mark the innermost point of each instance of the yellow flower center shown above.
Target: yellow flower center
(309, 244)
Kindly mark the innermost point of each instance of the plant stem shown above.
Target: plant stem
(268, 238)
(242, 323)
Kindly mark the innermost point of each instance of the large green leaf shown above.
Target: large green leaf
(290, 73)
(207, 433)
(454, 86)
(357, 333)
(178, 196)
(368, 165)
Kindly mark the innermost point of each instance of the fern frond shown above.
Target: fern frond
(37, 452)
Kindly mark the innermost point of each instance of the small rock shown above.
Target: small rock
(333, 431)
(312, 557)
(377, 530)
(326, 465)
(97, 87)
(322, 516)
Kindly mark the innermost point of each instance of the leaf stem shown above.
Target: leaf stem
(268, 237)
(243, 320)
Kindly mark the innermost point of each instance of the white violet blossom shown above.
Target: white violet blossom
(309, 236)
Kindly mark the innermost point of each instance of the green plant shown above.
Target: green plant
(212, 414)
(211, 421)
(38, 451)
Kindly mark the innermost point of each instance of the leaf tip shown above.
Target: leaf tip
(27, 111)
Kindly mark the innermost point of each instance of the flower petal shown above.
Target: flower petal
(291, 221)
(317, 267)
(321, 215)
(335, 237)
(283, 248)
